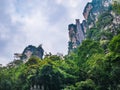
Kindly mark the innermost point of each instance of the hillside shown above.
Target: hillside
(92, 64)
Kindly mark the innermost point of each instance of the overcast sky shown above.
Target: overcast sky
(34, 22)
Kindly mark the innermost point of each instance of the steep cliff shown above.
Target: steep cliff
(30, 51)
(105, 24)
(76, 35)
(102, 22)
(94, 9)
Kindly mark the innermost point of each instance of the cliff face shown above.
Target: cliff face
(30, 51)
(94, 9)
(76, 35)
(103, 19)
(101, 22)
(87, 10)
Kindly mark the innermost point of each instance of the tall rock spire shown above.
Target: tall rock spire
(76, 35)
(80, 33)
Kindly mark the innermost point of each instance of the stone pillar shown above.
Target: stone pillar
(80, 34)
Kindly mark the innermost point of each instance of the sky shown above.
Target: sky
(34, 22)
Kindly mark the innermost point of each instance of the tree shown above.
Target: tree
(116, 7)
(87, 49)
(83, 85)
(115, 44)
(33, 60)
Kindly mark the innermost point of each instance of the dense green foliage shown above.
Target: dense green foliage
(116, 7)
(87, 69)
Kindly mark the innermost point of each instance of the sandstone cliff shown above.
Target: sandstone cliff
(30, 51)
(101, 23)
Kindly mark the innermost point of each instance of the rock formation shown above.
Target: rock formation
(76, 35)
(33, 51)
(30, 51)
(98, 14)
(95, 9)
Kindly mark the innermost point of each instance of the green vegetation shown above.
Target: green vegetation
(89, 68)
(93, 66)
(116, 7)
(104, 20)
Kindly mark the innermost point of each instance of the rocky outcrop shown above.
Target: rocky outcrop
(98, 15)
(103, 18)
(30, 51)
(76, 35)
(94, 9)
(87, 10)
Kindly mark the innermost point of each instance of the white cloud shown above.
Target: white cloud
(4, 33)
(74, 7)
(35, 22)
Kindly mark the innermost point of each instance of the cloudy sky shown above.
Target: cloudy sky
(32, 22)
